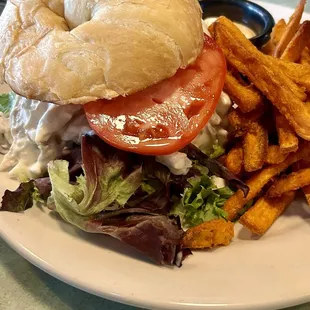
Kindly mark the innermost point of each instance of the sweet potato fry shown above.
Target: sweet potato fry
(255, 146)
(259, 180)
(265, 211)
(290, 182)
(275, 37)
(290, 29)
(234, 160)
(287, 138)
(274, 155)
(241, 122)
(278, 31)
(298, 73)
(269, 79)
(303, 164)
(243, 56)
(306, 191)
(305, 57)
(298, 43)
(209, 234)
(248, 98)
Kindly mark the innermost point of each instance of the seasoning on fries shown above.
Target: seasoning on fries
(255, 146)
(234, 160)
(288, 140)
(209, 234)
(305, 57)
(245, 96)
(294, 49)
(265, 211)
(282, 91)
(275, 37)
(298, 73)
(241, 122)
(290, 182)
(256, 183)
(274, 155)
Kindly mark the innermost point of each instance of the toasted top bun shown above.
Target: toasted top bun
(76, 51)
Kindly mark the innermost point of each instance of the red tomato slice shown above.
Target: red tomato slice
(163, 118)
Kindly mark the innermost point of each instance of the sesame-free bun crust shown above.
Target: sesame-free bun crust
(76, 51)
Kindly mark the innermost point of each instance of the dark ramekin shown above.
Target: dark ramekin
(2, 5)
(244, 12)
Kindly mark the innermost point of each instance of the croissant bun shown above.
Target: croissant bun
(77, 51)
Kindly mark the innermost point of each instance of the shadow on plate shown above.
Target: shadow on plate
(245, 234)
(299, 208)
(102, 241)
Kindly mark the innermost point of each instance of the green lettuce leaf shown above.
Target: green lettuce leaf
(217, 151)
(213, 151)
(201, 202)
(6, 103)
(105, 185)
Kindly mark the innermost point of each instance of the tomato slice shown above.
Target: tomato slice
(163, 118)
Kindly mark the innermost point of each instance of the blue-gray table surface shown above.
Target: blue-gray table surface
(25, 287)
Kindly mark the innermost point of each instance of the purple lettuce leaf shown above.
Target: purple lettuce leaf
(19, 200)
(156, 236)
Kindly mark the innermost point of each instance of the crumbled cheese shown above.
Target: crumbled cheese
(178, 163)
(216, 131)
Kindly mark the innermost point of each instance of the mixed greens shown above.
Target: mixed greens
(201, 202)
(133, 198)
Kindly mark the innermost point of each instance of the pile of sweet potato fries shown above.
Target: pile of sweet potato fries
(269, 146)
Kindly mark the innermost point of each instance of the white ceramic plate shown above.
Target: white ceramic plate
(271, 272)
